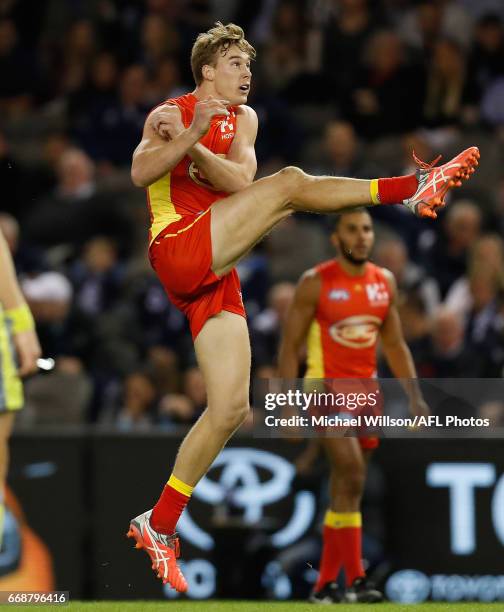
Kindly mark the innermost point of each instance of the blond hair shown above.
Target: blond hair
(217, 39)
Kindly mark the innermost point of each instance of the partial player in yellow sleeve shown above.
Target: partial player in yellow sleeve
(19, 351)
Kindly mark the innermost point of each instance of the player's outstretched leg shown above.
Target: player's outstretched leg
(242, 219)
(223, 353)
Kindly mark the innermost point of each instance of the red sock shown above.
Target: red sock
(393, 190)
(170, 505)
(330, 562)
(351, 546)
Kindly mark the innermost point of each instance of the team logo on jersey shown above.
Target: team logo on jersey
(338, 295)
(227, 129)
(199, 178)
(356, 332)
(377, 294)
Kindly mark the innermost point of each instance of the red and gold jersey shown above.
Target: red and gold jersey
(350, 311)
(185, 190)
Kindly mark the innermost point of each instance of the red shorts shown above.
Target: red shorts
(181, 255)
(357, 387)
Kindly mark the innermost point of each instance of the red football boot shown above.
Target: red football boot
(435, 181)
(162, 549)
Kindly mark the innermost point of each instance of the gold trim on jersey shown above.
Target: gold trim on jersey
(315, 353)
(184, 229)
(162, 208)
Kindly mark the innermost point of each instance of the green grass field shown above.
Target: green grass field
(260, 606)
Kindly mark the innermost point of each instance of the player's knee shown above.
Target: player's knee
(227, 421)
(352, 485)
(350, 479)
(292, 178)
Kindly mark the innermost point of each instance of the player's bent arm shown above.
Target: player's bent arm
(237, 170)
(17, 312)
(394, 346)
(299, 318)
(155, 156)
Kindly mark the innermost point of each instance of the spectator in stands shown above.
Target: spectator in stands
(285, 52)
(286, 260)
(159, 40)
(430, 20)
(166, 82)
(450, 356)
(387, 98)
(391, 253)
(342, 37)
(487, 252)
(49, 295)
(139, 405)
(253, 271)
(75, 58)
(267, 326)
(163, 364)
(416, 328)
(342, 153)
(23, 183)
(76, 211)
(10, 177)
(60, 397)
(115, 129)
(483, 327)
(27, 258)
(446, 257)
(176, 409)
(19, 73)
(486, 61)
(157, 323)
(445, 82)
(97, 277)
(96, 93)
(194, 388)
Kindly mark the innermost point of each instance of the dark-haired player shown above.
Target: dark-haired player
(340, 309)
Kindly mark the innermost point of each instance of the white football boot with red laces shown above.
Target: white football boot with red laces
(435, 181)
(162, 549)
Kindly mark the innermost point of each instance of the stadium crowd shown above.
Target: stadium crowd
(341, 87)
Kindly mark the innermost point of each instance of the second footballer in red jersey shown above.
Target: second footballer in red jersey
(340, 310)
(197, 162)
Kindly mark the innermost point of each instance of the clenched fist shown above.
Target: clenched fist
(167, 122)
(205, 110)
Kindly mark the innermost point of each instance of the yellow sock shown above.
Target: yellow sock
(339, 520)
(180, 486)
